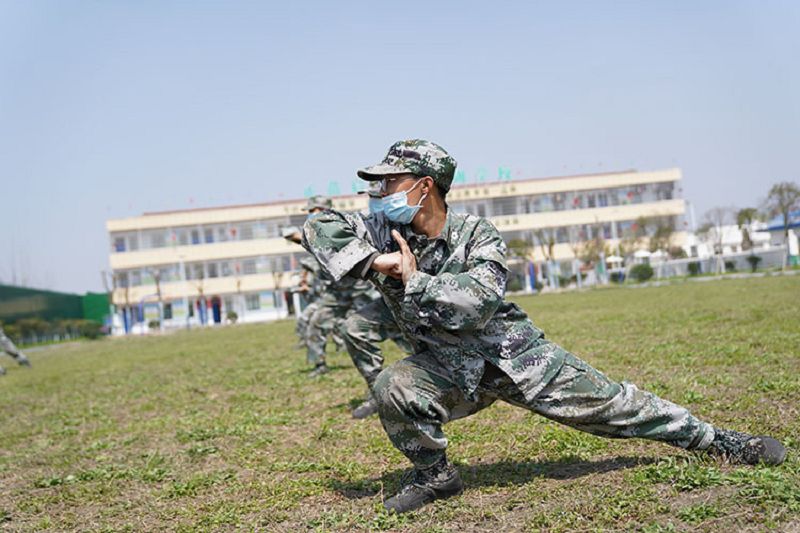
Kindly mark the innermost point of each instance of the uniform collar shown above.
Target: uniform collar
(423, 240)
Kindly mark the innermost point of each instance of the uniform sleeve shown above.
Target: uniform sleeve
(464, 301)
(339, 241)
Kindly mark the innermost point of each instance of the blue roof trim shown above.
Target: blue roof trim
(777, 222)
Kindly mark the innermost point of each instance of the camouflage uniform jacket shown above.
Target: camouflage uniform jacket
(345, 292)
(454, 305)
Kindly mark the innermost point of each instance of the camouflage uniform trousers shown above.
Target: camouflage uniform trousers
(416, 397)
(301, 328)
(327, 319)
(364, 329)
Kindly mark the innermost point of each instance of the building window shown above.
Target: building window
(264, 265)
(253, 302)
(195, 236)
(119, 244)
(246, 232)
(249, 267)
(222, 234)
(156, 239)
(167, 311)
(136, 278)
(209, 235)
(212, 270)
(261, 230)
(225, 269)
(195, 271)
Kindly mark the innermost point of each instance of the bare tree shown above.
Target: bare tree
(156, 273)
(576, 244)
(110, 285)
(547, 242)
(717, 218)
(116, 282)
(199, 287)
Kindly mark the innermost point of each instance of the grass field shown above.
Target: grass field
(220, 429)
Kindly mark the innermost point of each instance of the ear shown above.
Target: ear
(428, 184)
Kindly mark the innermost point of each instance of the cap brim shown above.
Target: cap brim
(377, 172)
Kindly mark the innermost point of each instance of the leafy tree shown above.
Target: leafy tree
(642, 272)
(744, 218)
(520, 248)
(662, 236)
(782, 199)
(754, 260)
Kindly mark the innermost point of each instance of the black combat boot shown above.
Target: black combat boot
(319, 370)
(746, 449)
(367, 408)
(423, 486)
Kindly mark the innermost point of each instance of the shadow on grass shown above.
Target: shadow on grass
(500, 474)
(331, 368)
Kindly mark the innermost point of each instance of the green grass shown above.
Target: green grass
(220, 429)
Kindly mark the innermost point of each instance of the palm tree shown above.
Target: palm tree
(744, 219)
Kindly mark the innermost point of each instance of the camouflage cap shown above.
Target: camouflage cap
(321, 202)
(373, 189)
(416, 156)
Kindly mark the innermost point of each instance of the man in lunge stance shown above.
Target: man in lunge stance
(443, 277)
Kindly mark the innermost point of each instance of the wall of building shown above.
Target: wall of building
(235, 253)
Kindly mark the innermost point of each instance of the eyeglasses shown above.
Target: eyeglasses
(388, 184)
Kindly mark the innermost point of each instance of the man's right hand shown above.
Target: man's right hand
(389, 264)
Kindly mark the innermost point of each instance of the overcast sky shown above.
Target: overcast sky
(112, 109)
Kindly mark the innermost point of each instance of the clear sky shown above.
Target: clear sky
(111, 109)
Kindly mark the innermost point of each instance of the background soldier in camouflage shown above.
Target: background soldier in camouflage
(7, 346)
(336, 299)
(310, 292)
(443, 276)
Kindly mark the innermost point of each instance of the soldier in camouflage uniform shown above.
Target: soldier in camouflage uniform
(369, 326)
(308, 288)
(336, 299)
(311, 295)
(443, 277)
(8, 347)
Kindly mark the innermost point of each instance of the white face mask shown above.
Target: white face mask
(396, 207)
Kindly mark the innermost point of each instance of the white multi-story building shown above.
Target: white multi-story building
(198, 264)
